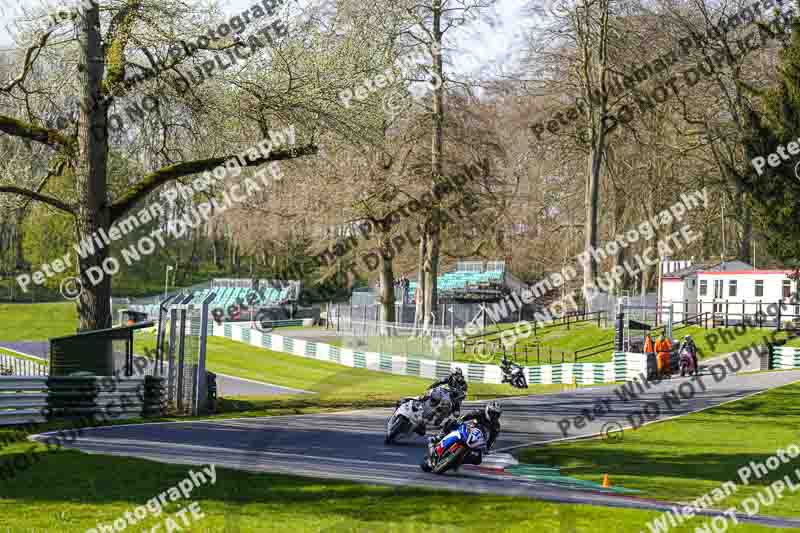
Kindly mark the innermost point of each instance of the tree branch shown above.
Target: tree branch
(17, 128)
(164, 175)
(40, 43)
(58, 204)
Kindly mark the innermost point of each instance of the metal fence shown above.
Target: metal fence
(760, 313)
(10, 291)
(16, 366)
(447, 315)
(182, 335)
(398, 339)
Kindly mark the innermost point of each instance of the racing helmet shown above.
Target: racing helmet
(493, 411)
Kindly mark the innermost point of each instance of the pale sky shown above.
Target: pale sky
(479, 44)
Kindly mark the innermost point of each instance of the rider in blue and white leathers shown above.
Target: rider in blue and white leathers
(487, 419)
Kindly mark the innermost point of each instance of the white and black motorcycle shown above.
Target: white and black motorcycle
(513, 374)
(412, 415)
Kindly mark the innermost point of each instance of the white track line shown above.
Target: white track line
(24, 354)
(265, 383)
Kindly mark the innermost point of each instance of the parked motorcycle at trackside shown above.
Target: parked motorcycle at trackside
(513, 374)
(449, 453)
(412, 415)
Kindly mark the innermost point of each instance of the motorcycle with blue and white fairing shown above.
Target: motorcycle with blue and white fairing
(450, 452)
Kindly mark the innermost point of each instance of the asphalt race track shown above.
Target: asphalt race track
(349, 445)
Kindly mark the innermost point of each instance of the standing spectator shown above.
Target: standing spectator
(648, 344)
(663, 347)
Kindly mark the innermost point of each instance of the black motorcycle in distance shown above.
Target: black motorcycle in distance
(513, 374)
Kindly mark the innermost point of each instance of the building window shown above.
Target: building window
(787, 288)
(759, 287)
(703, 287)
(718, 288)
(732, 287)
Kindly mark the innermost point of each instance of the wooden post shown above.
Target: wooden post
(778, 326)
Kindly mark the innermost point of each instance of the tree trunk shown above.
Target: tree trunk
(93, 211)
(619, 228)
(431, 274)
(19, 252)
(592, 33)
(419, 292)
(745, 216)
(387, 285)
(591, 204)
(433, 224)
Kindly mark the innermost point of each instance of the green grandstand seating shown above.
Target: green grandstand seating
(458, 280)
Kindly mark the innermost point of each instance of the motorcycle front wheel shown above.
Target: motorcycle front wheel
(398, 426)
(448, 460)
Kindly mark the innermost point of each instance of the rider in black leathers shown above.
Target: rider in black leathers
(488, 419)
(457, 384)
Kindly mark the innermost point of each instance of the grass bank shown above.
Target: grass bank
(330, 380)
(710, 343)
(36, 322)
(68, 491)
(683, 459)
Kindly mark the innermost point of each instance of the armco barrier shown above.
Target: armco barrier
(785, 357)
(25, 400)
(623, 367)
(22, 400)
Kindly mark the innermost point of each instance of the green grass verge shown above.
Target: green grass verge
(36, 322)
(683, 459)
(710, 342)
(68, 491)
(332, 381)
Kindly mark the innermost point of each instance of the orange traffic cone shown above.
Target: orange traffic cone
(606, 484)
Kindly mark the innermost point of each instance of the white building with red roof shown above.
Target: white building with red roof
(731, 288)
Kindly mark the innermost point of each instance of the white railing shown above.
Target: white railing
(16, 366)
